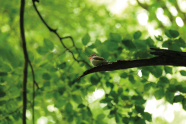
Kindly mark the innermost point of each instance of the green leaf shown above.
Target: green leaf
(68, 107)
(138, 100)
(3, 73)
(174, 33)
(157, 71)
(168, 69)
(102, 50)
(111, 45)
(140, 45)
(110, 105)
(163, 80)
(147, 116)
(150, 42)
(120, 90)
(174, 46)
(31, 56)
(183, 73)
(128, 44)
(46, 76)
(111, 85)
(145, 72)
(62, 65)
(147, 87)
(46, 84)
(171, 88)
(124, 97)
(171, 33)
(113, 94)
(184, 104)
(98, 42)
(6, 67)
(2, 93)
(94, 80)
(180, 42)
(92, 46)
(124, 75)
(77, 98)
(153, 85)
(70, 118)
(179, 88)
(42, 50)
(140, 121)
(137, 97)
(86, 39)
(137, 35)
(61, 90)
(159, 94)
(125, 120)
(60, 103)
(48, 44)
(178, 98)
(81, 106)
(183, 89)
(115, 37)
(117, 118)
(100, 116)
(167, 33)
(167, 43)
(169, 96)
(139, 109)
(89, 111)
(159, 38)
(131, 79)
(113, 112)
(15, 91)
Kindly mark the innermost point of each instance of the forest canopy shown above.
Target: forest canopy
(58, 49)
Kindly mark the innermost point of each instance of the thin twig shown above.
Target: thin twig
(60, 38)
(33, 75)
(72, 42)
(33, 102)
(25, 71)
(11, 113)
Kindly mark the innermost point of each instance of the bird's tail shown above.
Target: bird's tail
(110, 61)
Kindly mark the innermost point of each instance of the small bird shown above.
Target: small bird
(97, 61)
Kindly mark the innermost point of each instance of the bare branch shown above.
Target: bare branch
(165, 57)
(60, 38)
(25, 71)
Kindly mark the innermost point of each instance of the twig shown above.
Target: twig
(60, 38)
(11, 112)
(34, 83)
(26, 59)
(33, 75)
(72, 42)
(146, 7)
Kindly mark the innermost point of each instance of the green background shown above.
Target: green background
(95, 29)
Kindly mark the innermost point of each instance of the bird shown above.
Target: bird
(97, 61)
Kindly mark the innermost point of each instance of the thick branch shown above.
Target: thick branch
(165, 57)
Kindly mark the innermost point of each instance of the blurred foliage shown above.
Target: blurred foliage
(95, 29)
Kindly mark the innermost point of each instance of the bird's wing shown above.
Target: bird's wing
(98, 58)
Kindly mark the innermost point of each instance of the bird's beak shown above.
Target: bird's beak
(89, 58)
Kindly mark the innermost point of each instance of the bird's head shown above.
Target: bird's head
(91, 56)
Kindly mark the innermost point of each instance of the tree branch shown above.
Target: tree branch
(165, 57)
(60, 38)
(26, 59)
